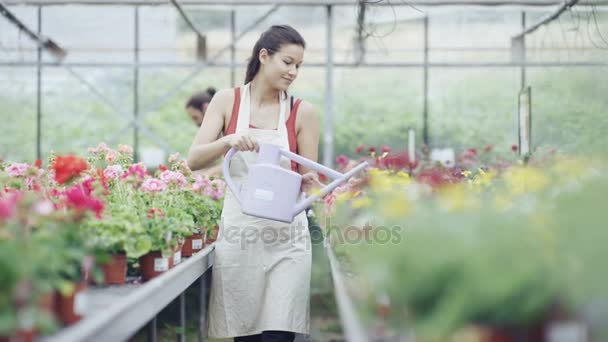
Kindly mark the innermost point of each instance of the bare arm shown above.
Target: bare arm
(307, 127)
(207, 146)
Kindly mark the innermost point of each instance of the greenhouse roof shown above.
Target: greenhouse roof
(311, 2)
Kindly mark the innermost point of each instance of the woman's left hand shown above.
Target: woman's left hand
(310, 182)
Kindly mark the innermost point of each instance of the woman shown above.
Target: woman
(197, 105)
(261, 281)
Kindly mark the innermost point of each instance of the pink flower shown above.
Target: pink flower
(79, 198)
(173, 158)
(111, 156)
(219, 188)
(488, 148)
(514, 148)
(360, 149)
(342, 161)
(125, 149)
(172, 177)
(44, 207)
(138, 170)
(17, 169)
(113, 172)
(8, 204)
(200, 183)
(153, 185)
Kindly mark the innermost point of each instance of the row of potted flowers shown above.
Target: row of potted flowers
(480, 251)
(83, 221)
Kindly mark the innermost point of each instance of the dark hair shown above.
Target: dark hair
(199, 99)
(271, 40)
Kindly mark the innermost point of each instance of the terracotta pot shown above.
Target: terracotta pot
(193, 244)
(46, 302)
(153, 264)
(210, 237)
(70, 308)
(115, 270)
(535, 333)
(20, 336)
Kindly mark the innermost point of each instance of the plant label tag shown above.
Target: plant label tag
(568, 331)
(177, 257)
(197, 244)
(161, 264)
(81, 303)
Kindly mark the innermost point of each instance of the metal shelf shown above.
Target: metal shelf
(116, 313)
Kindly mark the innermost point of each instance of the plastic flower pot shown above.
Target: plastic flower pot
(70, 308)
(177, 254)
(154, 264)
(115, 270)
(193, 244)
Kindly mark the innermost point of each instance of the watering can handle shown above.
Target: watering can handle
(228, 178)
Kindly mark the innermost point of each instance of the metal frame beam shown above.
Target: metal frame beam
(527, 64)
(46, 43)
(417, 3)
(566, 5)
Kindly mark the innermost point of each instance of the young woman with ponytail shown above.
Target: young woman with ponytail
(261, 274)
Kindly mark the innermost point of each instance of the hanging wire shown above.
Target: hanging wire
(597, 27)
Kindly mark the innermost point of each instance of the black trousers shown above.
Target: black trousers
(268, 336)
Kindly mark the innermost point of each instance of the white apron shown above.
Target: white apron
(261, 273)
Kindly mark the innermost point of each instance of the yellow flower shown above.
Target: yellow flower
(466, 173)
(395, 205)
(361, 202)
(455, 197)
(570, 168)
(521, 180)
(385, 181)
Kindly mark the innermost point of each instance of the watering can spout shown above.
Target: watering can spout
(306, 203)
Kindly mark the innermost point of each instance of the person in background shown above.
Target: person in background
(196, 107)
(198, 103)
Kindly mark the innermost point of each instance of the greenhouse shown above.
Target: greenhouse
(459, 193)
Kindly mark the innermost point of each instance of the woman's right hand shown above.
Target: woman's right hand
(242, 142)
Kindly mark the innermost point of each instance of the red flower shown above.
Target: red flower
(514, 148)
(397, 161)
(155, 212)
(488, 148)
(38, 163)
(322, 177)
(371, 149)
(162, 167)
(360, 149)
(78, 198)
(386, 149)
(68, 167)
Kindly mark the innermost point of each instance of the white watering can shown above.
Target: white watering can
(272, 191)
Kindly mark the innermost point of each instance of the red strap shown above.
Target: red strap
(292, 135)
(231, 128)
(235, 112)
